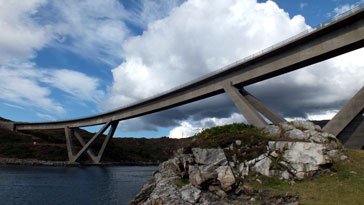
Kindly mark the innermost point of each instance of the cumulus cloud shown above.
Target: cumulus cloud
(201, 36)
(196, 38)
(187, 129)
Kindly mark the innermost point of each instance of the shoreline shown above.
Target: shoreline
(35, 162)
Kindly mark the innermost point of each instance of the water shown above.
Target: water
(72, 185)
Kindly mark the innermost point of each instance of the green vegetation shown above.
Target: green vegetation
(253, 141)
(181, 182)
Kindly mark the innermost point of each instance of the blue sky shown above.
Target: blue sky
(68, 59)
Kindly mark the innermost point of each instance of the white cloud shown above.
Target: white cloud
(196, 38)
(303, 5)
(25, 85)
(45, 116)
(346, 7)
(20, 35)
(90, 28)
(20, 86)
(13, 106)
(78, 85)
(186, 129)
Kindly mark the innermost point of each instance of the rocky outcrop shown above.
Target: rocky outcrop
(296, 150)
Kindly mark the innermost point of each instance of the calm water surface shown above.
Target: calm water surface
(72, 185)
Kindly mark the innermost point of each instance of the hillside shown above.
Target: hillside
(51, 145)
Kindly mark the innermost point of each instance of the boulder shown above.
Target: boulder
(303, 124)
(209, 156)
(263, 166)
(295, 134)
(190, 193)
(286, 126)
(273, 131)
(226, 177)
(199, 174)
(302, 157)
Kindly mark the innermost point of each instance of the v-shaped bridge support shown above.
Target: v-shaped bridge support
(352, 111)
(70, 132)
(249, 106)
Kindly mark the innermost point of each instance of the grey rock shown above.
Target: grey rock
(238, 142)
(285, 175)
(263, 166)
(190, 193)
(286, 126)
(343, 157)
(318, 128)
(295, 134)
(209, 156)
(307, 125)
(225, 177)
(243, 169)
(273, 131)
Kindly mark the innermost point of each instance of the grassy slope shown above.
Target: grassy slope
(345, 185)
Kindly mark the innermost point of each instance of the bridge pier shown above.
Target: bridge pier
(249, 106)
(351, 112)
(70, 132)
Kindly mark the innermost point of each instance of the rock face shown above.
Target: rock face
(297, 150)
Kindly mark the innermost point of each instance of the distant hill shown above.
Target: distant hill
(51, 145)
(3, 119)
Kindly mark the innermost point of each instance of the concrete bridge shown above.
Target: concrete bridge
(343, 34)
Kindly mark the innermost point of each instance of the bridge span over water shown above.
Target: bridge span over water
(343, 34)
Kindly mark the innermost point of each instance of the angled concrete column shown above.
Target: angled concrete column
(347, 114)
(263, 109)
(91, 142)
(107, 140)
(356, 140)
(83, 143)
(250, 114)
(69, 143)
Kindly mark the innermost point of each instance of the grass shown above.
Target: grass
(181, 182)
(344, 186)
(253, 141)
